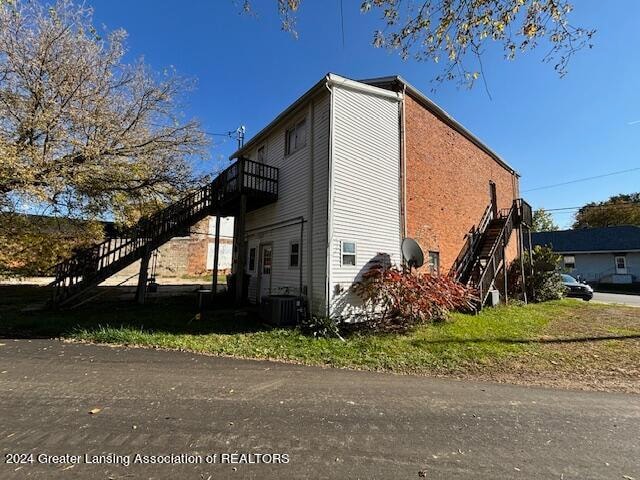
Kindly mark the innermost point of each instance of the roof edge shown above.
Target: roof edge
(330, 79)
(442, 114)
(582, 229)
(291, 108)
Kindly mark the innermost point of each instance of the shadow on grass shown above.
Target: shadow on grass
(22, 315)
(425, 342)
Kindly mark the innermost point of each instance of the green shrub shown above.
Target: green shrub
(544, 283)
(320, 327)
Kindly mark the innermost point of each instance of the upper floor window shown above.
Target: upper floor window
(262, 154)
(296, 137)
(348, 254)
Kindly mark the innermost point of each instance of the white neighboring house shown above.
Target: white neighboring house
(226, 243)
(337, 149)
(597, 255)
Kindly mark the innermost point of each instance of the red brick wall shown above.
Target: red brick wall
(447, 184)
(181, 256)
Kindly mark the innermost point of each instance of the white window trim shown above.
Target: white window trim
(266, 246)
(624, 260)
(342, 253)
(294, 129)
(291, 243)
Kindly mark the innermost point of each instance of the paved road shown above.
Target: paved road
(632, 300)
(332, 423)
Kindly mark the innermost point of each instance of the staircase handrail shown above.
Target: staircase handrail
(472, 243)
(496, 254)
(102, 259)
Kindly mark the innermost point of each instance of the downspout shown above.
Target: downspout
(403, 165)
(312, 122)
(329, 198)
(301, 259)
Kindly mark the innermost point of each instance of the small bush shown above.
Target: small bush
(320, 327)
(545, 283)
(399, 300)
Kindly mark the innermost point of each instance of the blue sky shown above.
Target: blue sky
(551, 130)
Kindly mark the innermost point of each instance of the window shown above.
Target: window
(434, 262)
(252, 259)
(348, 250)
(294, 254)
(296, 137)
(261, 154)
(621, 264)
(569, 261)
(266, 261)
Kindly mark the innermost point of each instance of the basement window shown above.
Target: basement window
(569, 261)
(294, 254)
(296, 137)
(348, 254)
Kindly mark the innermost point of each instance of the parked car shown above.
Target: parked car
(577, 289)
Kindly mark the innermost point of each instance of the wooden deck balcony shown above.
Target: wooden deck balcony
(257, 181)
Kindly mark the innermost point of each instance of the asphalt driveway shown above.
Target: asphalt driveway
(329, 423)
(617, 298)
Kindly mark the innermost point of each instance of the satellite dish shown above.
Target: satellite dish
(412, 253)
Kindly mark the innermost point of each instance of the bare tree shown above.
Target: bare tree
(81, 132)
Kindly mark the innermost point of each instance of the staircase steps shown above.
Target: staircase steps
(484, 255)
(89, 267)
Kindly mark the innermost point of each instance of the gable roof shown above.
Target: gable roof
(382, 83)
(439, 112)
(328, 79)
(605, 239)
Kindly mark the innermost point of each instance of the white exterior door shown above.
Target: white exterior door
(621, 265)
(266, 261)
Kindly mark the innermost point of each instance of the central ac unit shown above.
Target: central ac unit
(279, 309)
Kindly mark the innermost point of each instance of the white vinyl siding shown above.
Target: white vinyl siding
(320, 202)
(279, 223)
(365, 192)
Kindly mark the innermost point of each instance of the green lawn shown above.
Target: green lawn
(497, 340)
(445, 346)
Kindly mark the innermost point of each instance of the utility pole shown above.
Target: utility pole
(240, 136)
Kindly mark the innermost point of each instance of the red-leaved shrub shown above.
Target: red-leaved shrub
(402, 299)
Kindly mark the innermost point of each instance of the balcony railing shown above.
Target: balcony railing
(93, 264)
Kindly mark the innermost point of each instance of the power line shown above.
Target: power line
(610, 205)
(616, 205)
(238, 134)
(582, 179)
